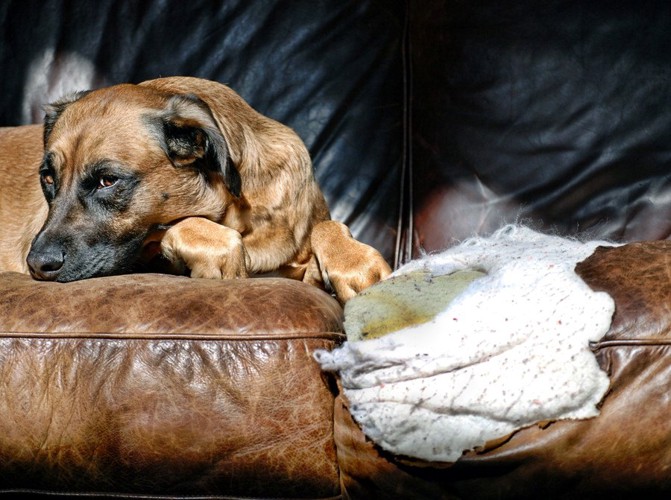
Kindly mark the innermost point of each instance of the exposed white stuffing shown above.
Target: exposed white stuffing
(511, 350)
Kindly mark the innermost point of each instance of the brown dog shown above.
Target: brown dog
(180, 162)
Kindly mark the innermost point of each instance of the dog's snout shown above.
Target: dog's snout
(46, 263)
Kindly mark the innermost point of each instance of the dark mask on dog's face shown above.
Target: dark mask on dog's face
(121, 164)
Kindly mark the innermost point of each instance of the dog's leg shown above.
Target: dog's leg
(208, 249)
(346, 264)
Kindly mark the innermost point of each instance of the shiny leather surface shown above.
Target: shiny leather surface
(555, 115)
(166, 385)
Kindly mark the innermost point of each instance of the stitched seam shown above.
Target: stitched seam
(174, 336)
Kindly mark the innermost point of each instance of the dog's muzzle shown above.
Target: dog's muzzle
(46, 263)
(64, 257)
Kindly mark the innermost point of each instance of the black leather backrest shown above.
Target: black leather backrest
(557, 113)
(552, 113)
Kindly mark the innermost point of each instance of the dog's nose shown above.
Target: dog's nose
(45, 264)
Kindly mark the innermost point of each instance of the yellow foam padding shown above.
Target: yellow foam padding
(402, 301)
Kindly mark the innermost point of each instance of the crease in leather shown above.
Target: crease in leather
(148, 304)
(333, 336)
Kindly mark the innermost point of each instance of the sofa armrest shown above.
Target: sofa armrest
(151, 384)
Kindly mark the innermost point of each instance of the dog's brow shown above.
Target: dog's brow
(99, 165)
(48, 164)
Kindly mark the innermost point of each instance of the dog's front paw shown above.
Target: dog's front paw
(346, 264)
(207, 249)
(368, 267)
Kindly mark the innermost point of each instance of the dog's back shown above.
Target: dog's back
(22, 205)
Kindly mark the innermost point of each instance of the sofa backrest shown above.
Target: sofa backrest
(555, 114)
(428, 121)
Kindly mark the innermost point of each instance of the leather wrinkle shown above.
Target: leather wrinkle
(405, 229)
(155, 305)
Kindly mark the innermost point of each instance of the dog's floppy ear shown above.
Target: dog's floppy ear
(191, 137)
(55, 109)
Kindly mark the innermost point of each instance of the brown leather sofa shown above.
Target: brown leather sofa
(167, 387)
(428, 121)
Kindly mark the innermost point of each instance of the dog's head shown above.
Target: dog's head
(120, 164)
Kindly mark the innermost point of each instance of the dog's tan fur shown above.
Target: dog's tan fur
(22, 205)
(279, 223)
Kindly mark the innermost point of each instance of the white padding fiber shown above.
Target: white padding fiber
(511, 350)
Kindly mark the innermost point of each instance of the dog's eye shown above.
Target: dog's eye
(48, 179)
(106, 181)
